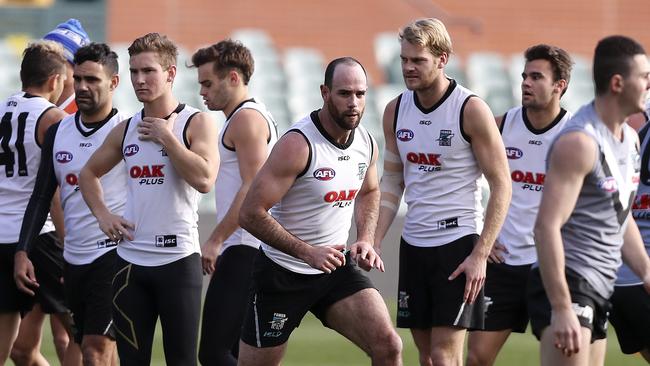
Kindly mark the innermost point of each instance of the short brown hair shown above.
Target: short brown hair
(560, 61)
(226, 55)
(157, 43)
(41, 60)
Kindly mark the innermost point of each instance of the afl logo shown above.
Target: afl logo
(131, 150)
(405, 135)
(324, 174)
(608, 185)
(513, 153)
(63, 157)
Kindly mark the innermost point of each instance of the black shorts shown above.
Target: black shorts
(12, 300)
(47, 258)
(280, 298)
(505, 297)
(426, 297)
(88, 293)
(591, 308)
(630, 317)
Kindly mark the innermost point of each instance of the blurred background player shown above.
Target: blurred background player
(249, 133)
(527, 133)
(25, 118)
(89, 254)
(170, 151)
(440, 137)
(630, 314)
(584, 216)
(70, 35)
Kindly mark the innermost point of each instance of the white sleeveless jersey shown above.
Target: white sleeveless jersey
(229, 180)
(20, 156)
(319, 206)
(73, 145)
(160, 203)
(526, 149)
(441, 174)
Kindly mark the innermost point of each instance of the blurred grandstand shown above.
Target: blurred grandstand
(287, 80)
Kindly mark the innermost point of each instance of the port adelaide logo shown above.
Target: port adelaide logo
(445, 138)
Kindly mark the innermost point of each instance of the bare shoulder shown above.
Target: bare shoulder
(477, 109)
(291, 154)
(247, 121)
(574, 151)
(203, 119)
(52, 116)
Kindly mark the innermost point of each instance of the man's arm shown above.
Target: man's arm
(392, 180)
(498, 249)
(49, 118)
(366, 212)
(35, 215)
(491, 158)
(101, 162)
(288, 158)
(571, 159)
(634, 253)
(248, 133)
(197, 165)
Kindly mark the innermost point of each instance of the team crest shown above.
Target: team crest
(403, 300)
(445, 138)
(362, 170)
(278, 321)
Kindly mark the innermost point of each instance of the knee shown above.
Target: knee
(21, 355)
(387, 347)
(60, 340)
(94, 350)
(475, 358)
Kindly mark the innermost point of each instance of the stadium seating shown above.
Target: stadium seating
(287, 81)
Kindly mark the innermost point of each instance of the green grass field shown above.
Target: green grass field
(313, 345)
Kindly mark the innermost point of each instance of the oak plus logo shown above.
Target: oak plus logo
(148, 174)
(63, 157)
(427, 162)
(324, 174)
(342, 198)
(529, 181)
(131, 150)
(641, 206)
(405, 135)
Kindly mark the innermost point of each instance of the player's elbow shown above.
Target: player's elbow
(85, 175)
(540, 230)
(203, 185)
(247, 215)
